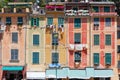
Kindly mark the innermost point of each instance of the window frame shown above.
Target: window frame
(55, 57)
(108, 57)
(49, 19)
(14, 54)
(77, 23)
(108, 22)
(107, 39)
(35, 59)
(8, 20)
(96, 56)
(96, 37)
(107, 8)
(36, 42)
(78, 40)
(77, 57)
(14, 37)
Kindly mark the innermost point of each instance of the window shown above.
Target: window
(35, 58)
(75, 8)
(96, 21)
(108, 39)
(8, 20)
(119, 64)
(14, 37)
(108, 22)
(77, 23)
(20, 20)
(96, 58)
(108, 58)
(118, 49)
(14, 54)
(77, 57)
(55, 58)
(106, 9)
(77, 38)
(35, 22)
(60, 21)
(95, 9)
(96, 39)
(55, 39)
(49, 20)
(76, 0)
(118, 34)
(35, 39)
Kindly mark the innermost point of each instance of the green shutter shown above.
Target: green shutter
(108, 39)
(108, 58)
(96, 58)
(49, 20)
(55, 57)
(77, 23)
(35, 39)
(60, 21)
(32, 22)
(77, 37)
(96, 39)
(35, 59)
(37, 22)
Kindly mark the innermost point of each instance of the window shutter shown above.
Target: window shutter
(60, 21)
(37, 22)
(35, 39)
(32, 22)
(108, 58)
(108, 39)
(77, 38)
(35, 57)
(96, 58)
(96, 39)
(14, 37)
(77, 23)
(50, 20)
(55, 57)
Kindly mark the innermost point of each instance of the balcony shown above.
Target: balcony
(55, 7)
(77, 13)
(77, 47)
(103, 14)
(8, 10)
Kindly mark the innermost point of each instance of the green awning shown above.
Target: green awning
(12, 68)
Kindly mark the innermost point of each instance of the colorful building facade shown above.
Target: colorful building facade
(13, 20)
(35, 48)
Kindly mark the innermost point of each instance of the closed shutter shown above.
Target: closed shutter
(96, 39)
(108, 39)
(14, 37)
(108, 58)
(55, 57)
(35, 58)
(37, 22)
(35, 39)
(49, 20)
(60, 21)
(32, 22)
(77, 38)
(96, 58)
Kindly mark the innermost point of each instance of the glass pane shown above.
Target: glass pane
(14, 37)
(106, 9)
(77, 56)
(108, 58)
(95, 9)
(77, 23)
(107, 21)
(55, 39)
(49, 20)
(77, 38)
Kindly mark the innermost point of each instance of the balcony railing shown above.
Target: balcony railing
(103, 13)
(8, 10)
(74, 12)
(55, 7)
